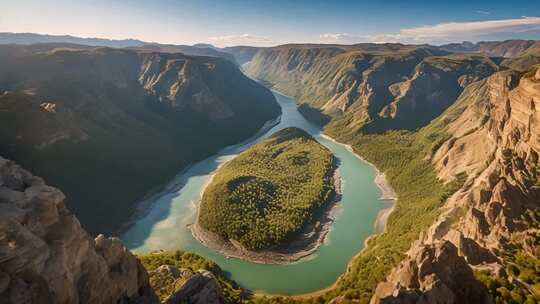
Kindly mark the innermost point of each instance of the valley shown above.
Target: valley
(106, 114)
(167, 225)
(365, 173)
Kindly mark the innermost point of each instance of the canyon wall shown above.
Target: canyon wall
(123, 121)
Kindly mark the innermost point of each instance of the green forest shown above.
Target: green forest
(267, 194)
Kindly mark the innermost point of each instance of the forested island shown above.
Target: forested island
(271, 203)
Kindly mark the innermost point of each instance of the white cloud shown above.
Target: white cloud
(451, 30)
(442, 32)
(483, 12)
(242, 39)
(345, 38)
(339, 37)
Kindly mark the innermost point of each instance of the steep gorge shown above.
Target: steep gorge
(485, 235)
(493, 138)
(371, 88)
(120, 122)
(485, 232)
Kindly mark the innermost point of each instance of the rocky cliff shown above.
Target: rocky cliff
(120, 120)
(490, 224)
(372, 88)
(46, 257)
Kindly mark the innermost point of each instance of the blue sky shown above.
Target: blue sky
(259, 22)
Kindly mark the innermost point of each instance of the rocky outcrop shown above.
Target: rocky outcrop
(502, 171)
(200, 287)
(493, 138)
(435, 274)
(46, 257)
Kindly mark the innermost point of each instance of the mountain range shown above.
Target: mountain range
(455, 128)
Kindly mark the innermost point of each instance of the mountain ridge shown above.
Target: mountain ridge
(121, 110)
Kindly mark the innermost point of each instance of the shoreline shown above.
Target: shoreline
(310, 239)
(388, 193)
(142, 207)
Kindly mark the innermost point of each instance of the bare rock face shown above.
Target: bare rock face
(179, 83)
(200, 287)
(494, 128)
(432, 274)
(495, 141)
(47, 257)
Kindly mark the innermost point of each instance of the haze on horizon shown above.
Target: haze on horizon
(266, 23)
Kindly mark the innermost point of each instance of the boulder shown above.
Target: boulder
(200, 288)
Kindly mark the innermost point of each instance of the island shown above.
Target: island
(272, 203)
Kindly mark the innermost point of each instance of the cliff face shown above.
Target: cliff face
(432, 274)
(493, 138)
(46, 257)
(103, 115)
(373, 89)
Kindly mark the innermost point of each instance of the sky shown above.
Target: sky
(266, 23)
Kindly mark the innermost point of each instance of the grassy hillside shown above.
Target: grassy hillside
(269, 192)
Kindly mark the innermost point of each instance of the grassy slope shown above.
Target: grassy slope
(269, 192)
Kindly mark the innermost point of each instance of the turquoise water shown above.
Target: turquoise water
(164, 227)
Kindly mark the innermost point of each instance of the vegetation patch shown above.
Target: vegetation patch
(266, 195)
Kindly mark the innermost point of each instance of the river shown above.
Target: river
(165, 225)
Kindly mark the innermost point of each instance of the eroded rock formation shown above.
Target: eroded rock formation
(433, 273)
(199, 287)
(494, 138)
(46, 257)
